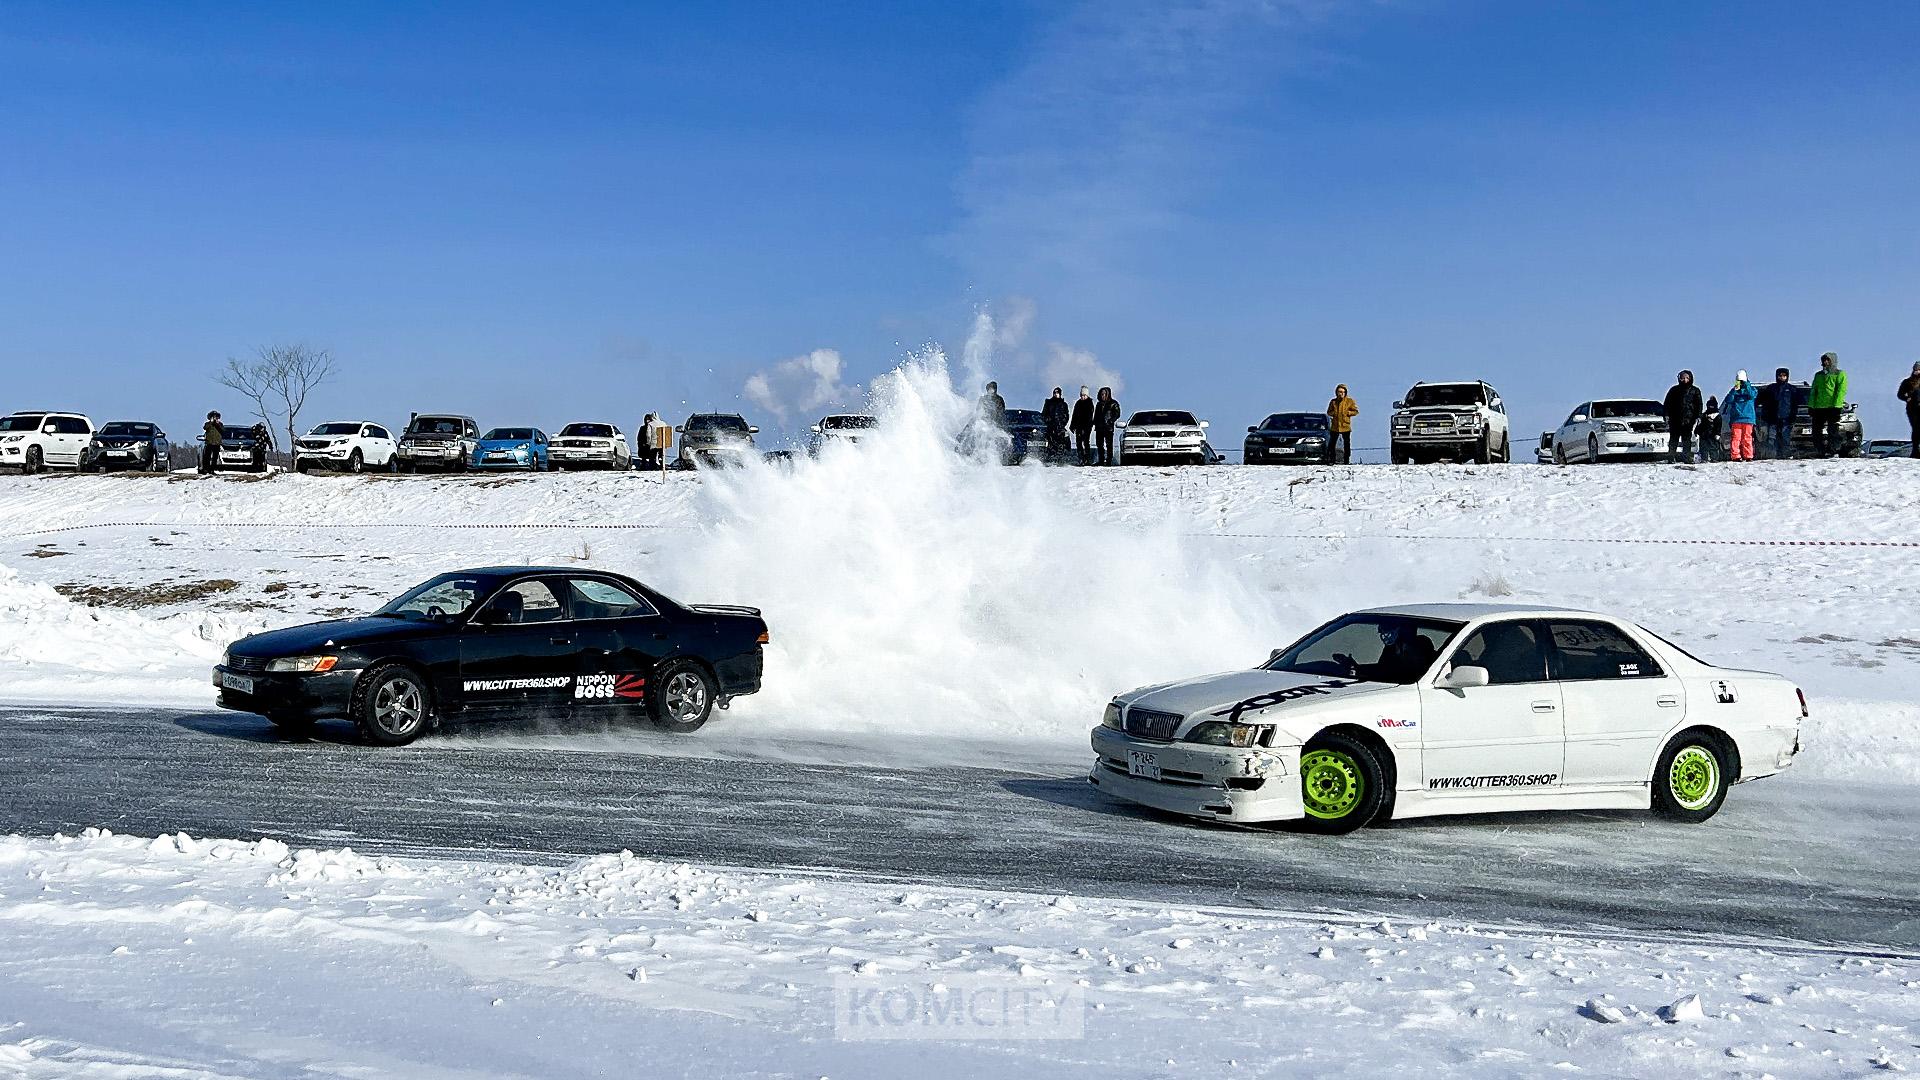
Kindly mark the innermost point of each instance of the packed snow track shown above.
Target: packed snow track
(1788, 859)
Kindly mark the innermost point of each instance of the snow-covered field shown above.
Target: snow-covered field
(187, 958)
(925, 609)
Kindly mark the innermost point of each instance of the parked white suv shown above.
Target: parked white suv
(345, 446)
(599, 446)
(1619, 429)
(1451, 421)
(34, 441)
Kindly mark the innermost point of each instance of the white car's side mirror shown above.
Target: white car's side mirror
(1579, 418)
(1464, 677)
(1203, 423)
(753, 431)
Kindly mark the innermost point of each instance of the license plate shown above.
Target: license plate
(1143, 764)
(1162, 444)
(238, 682)
(1282, 450)
(119, 453)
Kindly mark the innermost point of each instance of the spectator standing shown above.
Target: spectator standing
(1683, 409)
(1106, 414)
(1910, 393)
(1054, 415)
(1741, 416)
(1709, 429)
(1777, 410)
(1083, 426)
(210, 444)
(993, 408)
(1340, 413)
(1825, 403)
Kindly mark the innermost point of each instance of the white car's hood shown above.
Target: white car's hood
(1236, 695)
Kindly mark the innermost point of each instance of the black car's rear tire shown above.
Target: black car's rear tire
(683, 697)
(392, 704)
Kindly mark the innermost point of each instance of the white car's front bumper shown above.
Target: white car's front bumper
(1218, 783)
(1626, 443)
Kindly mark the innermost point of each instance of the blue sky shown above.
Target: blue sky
(537, 214)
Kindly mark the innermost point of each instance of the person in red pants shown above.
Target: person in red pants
(1742, 413)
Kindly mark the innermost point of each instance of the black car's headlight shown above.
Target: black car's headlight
(313, 664)
(1111, 718)
(1222, 733)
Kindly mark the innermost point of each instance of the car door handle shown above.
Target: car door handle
(1668, 702)
(559, 641)
(1544, 706)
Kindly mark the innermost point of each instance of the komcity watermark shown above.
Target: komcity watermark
(959, 1007)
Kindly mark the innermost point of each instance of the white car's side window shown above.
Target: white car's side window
(1512, 652)
(1597, 650)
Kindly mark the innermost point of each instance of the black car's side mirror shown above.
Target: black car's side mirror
(1251, 430)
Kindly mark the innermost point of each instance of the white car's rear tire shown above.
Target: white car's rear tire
(1691, 779)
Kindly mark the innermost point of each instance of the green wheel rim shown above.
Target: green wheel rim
(1694, 778)
(1331, 784)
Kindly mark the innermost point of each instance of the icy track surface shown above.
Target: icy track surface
(253, 960)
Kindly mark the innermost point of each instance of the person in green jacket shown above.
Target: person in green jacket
(1825, 402)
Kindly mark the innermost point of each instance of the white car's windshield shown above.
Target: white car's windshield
(1164, 416)
(1445, 394)
(588, 431)
(1373, 648)
(1605, 409)
(22, 422)
(847, 423)
(336, 429)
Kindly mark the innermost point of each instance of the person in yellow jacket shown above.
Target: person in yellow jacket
(1340, 413)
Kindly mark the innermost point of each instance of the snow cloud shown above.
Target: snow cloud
(800, 385)
(1072, 368)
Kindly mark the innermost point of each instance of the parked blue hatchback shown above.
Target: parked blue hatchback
(512, 448)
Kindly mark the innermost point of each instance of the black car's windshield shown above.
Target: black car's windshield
(1445, 394)
(434, 425)
(1164, 416)
(713, 422)
(22, 422)
(336, 429)
(1295, 421)
(1605, 409)
(448, 596)
(847, 423)
(588, 431)
(1374, 648)
(127, 429)
(508, 434)
(1023, 417)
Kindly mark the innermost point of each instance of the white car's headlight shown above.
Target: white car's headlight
(1222, 733)
(315, 664)
(1111, 718)
(1614, 425)
(14, 438)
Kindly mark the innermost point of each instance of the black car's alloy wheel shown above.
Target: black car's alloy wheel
(391, 705)
(683, 697)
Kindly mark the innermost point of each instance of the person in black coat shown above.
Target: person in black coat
(1777, 410)
(1683, 409)
(1106, 415)
(1054, 415)
(1082, 426)
(1709, 429)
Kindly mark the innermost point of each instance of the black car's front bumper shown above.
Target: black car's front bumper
(298, 695)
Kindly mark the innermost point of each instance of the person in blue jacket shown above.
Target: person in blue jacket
(1742, 414)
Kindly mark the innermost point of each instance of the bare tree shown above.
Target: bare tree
(277, 380)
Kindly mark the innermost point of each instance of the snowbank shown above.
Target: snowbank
(929, 607)
(194, 958)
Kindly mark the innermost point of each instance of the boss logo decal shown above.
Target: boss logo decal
(609, 687)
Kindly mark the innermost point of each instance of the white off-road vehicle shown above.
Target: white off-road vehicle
(1612, 429)
(35, 441)
(1451, 709)
(1451, 421)
(345, 446)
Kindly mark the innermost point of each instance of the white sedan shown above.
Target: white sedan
(1171, 436)
(1616, 429)
(1451, 709)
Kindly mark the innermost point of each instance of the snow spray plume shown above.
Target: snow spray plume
(918, 594)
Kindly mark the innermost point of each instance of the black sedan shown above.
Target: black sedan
(526, 642)
(127, 444)
(1288, 439)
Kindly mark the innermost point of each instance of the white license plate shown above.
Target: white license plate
(1143, 764)
(1162, 444)
(236, 682)
(1283, 450)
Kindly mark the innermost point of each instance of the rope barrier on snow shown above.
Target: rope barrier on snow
(1571, 540)
(197, 525)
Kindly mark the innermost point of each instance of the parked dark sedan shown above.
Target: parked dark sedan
(549, 643)
(1288, 439)
(127, 444)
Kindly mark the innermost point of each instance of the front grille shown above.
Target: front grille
(1148, 724)
(246, 663)
(312, 444)
(1433, 424)
(1647, 427)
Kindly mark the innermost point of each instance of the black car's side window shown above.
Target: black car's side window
(1512, 652)
(532, 601)
(1595, 650)
(596, 598)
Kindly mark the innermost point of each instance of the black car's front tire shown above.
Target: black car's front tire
(683, 697)
(391, 705)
